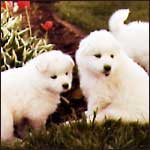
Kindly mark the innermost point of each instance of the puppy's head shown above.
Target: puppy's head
(99, 53)
(54, 70)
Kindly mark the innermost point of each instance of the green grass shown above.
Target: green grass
(94, 15)
(113, 135)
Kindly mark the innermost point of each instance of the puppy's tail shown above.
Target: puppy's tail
(117, 19)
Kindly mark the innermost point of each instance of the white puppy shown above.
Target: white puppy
(133, 36)
(33, 91)
(112, 83)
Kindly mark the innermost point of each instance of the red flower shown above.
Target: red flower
(23, 4)
(9, 3)
(47, 25)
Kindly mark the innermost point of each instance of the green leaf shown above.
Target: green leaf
(10, 41)
(14, 23)
(23, 32)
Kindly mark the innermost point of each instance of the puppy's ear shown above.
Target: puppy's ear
(41, 65)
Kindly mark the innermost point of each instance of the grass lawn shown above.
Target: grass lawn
(95, 14)
(111, 135)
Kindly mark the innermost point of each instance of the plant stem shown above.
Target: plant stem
(46, 36)
(8, 12)
(28, 20)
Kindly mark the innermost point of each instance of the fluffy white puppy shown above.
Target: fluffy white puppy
(133, 36)
(33, 91)
(113, 84)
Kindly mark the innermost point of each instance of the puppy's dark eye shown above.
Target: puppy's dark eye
(66, 73)
(98, 55)
(112, 56)
(54, 77)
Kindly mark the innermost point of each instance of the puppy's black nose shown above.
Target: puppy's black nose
(107, 67)
(65, 85)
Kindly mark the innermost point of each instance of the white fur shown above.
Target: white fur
(124, 92)
(133, 36)
(30, 91)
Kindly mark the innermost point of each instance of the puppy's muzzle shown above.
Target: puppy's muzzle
(107, 69)
(65, 86)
